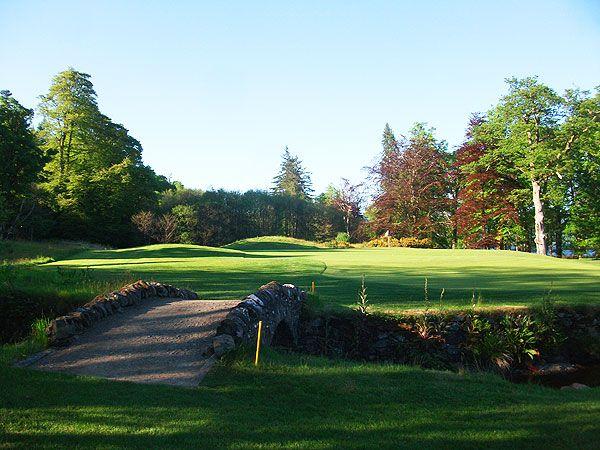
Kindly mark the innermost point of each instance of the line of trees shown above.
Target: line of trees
(526, 177)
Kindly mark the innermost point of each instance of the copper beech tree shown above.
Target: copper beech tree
(413, 182)
(486, 216)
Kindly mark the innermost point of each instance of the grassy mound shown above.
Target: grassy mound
(273, 243)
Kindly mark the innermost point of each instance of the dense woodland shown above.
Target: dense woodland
(527, 177)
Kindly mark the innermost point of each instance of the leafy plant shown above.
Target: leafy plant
(520, 337)
(38, 331)
(363, 303)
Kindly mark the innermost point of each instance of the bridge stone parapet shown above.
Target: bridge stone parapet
(276, 305)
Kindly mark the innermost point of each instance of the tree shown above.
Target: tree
(292, 179)
(101, 204)
(70, 116)
(347, 199)
(21, 162)
(413, 188)
(532, 134)
(485, 217)
(583, 184)
(145, 223)
(77, 137)
(96, 177)
(388, 141)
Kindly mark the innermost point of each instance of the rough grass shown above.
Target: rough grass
(294, 401)
(29, 292)
(394, 276)
(28, 251)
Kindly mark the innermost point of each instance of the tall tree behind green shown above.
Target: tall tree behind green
(583, 222)
(21, 161)
(69, 116)
(533, 135)
(292, 178)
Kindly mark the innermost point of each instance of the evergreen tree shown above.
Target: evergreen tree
(292, 179)
(388, 141)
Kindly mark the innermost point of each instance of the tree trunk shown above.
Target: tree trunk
(540, 237)
(559, 233)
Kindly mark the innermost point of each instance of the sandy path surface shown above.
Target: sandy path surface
(158, 341)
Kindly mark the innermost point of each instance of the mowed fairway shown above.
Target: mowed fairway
(394, 277)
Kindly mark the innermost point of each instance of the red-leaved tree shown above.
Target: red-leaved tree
(486, 217)
(413, 188)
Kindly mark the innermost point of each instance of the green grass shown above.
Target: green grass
(299, 402)
(293, 400)
(394, 276)
(29, 291)
(28, 251)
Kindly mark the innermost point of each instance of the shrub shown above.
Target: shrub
(402, 242)
(343, 238)
(499, 344)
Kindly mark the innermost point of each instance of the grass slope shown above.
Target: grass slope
(299, 402)
(394, 276)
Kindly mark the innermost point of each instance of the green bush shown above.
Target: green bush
(343, 238)
(499, 344)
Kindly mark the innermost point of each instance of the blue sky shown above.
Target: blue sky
(215, 90)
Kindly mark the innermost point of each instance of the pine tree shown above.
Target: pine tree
(292, 179)
(389, 142)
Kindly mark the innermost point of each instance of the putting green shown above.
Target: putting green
(395, 277)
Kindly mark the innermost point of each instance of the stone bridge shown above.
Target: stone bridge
(276, 305)
(151, 332)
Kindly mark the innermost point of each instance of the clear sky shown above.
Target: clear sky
(215, 90)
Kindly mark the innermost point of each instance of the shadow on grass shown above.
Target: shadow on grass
(297, 401)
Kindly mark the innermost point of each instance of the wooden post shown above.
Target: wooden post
(258, 342)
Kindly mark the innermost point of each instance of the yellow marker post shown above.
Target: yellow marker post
(312, 287)
(258, 342)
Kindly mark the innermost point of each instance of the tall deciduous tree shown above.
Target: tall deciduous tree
(21, 161)
(347, 199)
(95, 174)
(485, 217)
(533, 133)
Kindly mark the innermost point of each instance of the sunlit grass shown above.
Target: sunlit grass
(394, 276)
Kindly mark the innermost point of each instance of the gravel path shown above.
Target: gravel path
(158, 341)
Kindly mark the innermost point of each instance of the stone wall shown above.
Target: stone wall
(62, 329)
(277, 305)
